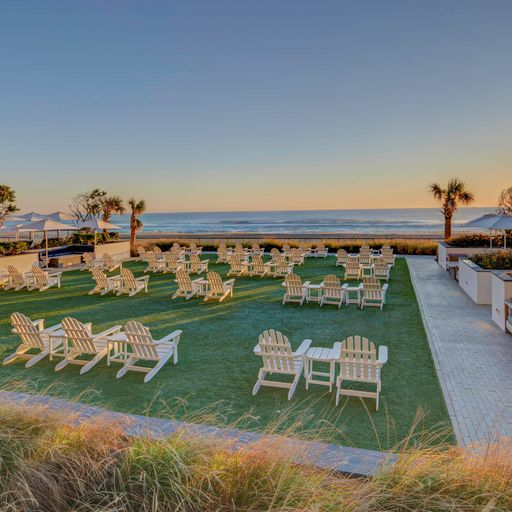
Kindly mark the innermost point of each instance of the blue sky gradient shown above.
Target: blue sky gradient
(238, 105)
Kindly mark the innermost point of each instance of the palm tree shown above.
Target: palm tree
(451, 197)
(137, 208)
(109, 206)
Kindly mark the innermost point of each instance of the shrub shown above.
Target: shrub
(88, 238)
(12, 248)
(498, 260)
(476, 241)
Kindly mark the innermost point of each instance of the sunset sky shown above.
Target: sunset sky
(262, 105)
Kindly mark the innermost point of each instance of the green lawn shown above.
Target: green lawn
(217, 369)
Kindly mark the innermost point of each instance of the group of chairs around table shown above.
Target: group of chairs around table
(36, 279)
(75, 343)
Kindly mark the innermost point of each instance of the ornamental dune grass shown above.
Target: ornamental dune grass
(51, 462)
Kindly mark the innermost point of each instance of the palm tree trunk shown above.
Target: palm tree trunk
(447, 227)
(132, 235)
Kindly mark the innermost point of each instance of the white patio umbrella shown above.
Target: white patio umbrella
(45, 226)
(492, 222)
(60, 216)
(96, 225)
(28, 217)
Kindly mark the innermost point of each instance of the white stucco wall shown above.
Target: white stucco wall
(23, 262)
(444, 251)
(501, 291)
(119, 250)
(476, 282)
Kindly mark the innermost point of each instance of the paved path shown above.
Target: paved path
(473, 357)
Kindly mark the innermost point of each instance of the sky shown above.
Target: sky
(255, 105)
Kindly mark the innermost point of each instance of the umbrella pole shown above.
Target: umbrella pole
(491, 237)
(46, 238)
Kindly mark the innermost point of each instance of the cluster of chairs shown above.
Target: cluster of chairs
(330, 291)
(36, 279)
(356, 358)
(75, 343)
(211, 289)
(366, 263)
(106, 262)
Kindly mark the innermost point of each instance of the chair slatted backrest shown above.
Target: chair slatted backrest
(128, 279)
(88, 260)
(370, 282)
(257, 264)
(79, 335)
(176, 245)
(293, 285)
(364, 248)
(358, 359)
(320, 248)
(141, 251)
(256, 247)
(140, 341)
(235, 263)
(15, 275)
(40, 277)
(173, 263)
(222, 245)
(215, 283)
(341, 253)
(386, 248)
(389, 259)
(100, 278)
(157, 250)
(332, 287)
(26, 330)
(376, 294)
(175, 250)
(184, 281)
(108, 262)
(195, 263)
(286, 248)
(365, 259)
(296, 255)
(274, 253)
(352, 264)
(151, 259)
(276, 352)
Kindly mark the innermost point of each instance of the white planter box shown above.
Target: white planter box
(444, 251)
(501, 292)
(23, 262)
(475, 281)
(118, 250)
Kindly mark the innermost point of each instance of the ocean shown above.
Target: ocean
(420, 221)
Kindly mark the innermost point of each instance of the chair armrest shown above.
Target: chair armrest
(385, 287)
(198, 280)
(344, 286)
(305, 284)
(175, 334)
(383, 355)
(256, 350)
(361, 286)
(111, 330)
(304, 346)
(39, 324)
(54, 274)
(142, 278)
(336, 348)
(229, 282)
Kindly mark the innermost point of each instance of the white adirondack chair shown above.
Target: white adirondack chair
(359, 363)
(257, 267)
(342, 257)
(381, 269)
(389, 259)
(278, 357)
(131, 285)
(297, 256)
(186, 287)
(159, 255)
(17, 280)
(90, 261)
(4, 278)
(177, 250)
(365, 259)
(306, 249)
(141, 252)
(173, 262)
(256, 250)
(154, 265)
(236, 266)
(320, 251)
(33, 336)
(218, 290)
(109, 265)
(42, 281)
(104, 284)
(222, 254)
(82, 342)
(280, 267)
(195, 265)
(352, 270)
(140, 346)
(332, 291)
(295, 290)
(194, 249)
(374, 295)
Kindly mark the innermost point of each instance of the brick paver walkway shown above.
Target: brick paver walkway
(473, 357)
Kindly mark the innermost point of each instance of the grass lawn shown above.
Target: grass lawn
(217, 369)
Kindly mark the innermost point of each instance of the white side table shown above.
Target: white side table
(314, 293)
(353, 295)
(323, 355)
